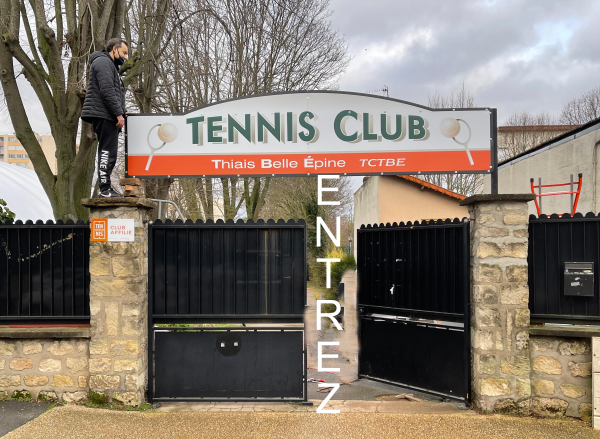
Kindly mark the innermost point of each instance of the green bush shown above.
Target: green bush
(338, 269)
(5, 212)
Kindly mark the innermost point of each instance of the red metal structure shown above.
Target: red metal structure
(540, 194)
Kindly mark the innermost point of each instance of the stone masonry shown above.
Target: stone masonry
(561, 371)
(44, 369)
(119, 304)
(499, 303)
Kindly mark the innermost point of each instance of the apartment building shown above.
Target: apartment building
(12, 152)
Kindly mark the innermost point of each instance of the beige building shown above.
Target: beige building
(573, 152)
(12, 152)
(390, 198)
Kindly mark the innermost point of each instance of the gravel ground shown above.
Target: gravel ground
(81, 422)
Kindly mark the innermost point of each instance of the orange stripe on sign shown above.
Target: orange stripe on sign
(290, 164)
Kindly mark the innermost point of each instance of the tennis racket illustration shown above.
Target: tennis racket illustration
(450, 127)
(167, 132)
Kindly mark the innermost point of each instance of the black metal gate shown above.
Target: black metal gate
(210, 284)
(413, 296)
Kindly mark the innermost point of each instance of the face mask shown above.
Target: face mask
(120, 60)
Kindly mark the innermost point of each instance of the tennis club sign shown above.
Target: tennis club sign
(316, 132)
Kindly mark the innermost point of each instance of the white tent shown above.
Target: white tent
(24, 194)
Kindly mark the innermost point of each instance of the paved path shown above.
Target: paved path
(344, 406)
(13, 414)
(80, 422)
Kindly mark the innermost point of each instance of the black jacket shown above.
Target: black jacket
(105, 96)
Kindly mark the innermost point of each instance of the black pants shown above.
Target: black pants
(108, 143)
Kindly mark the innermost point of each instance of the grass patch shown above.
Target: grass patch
(143, 407)
(51, 406)
(21, 395)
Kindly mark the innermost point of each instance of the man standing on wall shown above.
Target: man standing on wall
(104, 108)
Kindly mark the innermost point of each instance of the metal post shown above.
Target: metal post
(571, 190)
(150, 388)
(466, 230)
(540, 192)
(494, 139)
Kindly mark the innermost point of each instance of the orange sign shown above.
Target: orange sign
(99, 231)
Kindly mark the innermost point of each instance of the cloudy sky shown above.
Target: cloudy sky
(515, 55)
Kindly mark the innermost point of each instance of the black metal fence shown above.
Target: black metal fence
(415, 268)
(44, 272)
(227, 270)
(553, 241)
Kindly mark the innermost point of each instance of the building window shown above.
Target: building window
(15, 148)
(39, 139)
(1, 139)
(1, 149)
(13, 139)
(21, 165)
(18, 156)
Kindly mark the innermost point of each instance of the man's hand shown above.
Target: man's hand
(120, 121)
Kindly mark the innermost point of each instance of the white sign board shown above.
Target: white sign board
(121, 230)
(315, 132)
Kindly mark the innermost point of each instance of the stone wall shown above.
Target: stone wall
(561, 376)
(499, 305)
(46, 368)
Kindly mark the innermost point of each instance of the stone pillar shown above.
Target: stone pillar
(119, 305)
(499, 302)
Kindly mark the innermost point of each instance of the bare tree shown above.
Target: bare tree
(582, 109)
(465, 184)
(49, 42)
(244, 48)
(523, 131)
